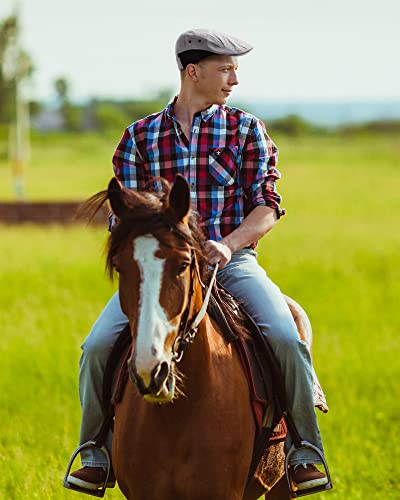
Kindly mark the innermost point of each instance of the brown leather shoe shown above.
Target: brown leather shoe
(91, 478)
(306, 476)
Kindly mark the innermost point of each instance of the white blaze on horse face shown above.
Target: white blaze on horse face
(153, 325)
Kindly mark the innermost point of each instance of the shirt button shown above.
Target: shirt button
(192, 157)
(192, 186)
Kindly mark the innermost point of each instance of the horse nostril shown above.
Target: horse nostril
(158, 376)
(136, 378)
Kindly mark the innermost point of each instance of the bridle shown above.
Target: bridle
(188, 329)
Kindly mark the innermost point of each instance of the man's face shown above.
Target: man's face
(217, 75)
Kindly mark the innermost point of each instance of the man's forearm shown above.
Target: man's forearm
(259, 221)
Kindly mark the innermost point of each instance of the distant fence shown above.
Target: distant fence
(46, 213)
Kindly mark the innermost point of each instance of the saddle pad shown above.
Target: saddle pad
(258, 395)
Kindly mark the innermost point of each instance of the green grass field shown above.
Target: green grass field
(337, 251)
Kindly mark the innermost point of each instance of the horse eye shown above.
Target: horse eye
(182, 268)
(114, 264)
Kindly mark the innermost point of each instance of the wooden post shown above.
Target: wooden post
(18, 160)
(20, 131)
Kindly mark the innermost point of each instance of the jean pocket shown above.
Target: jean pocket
(222, 164)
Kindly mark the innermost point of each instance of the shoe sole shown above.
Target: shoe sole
(312, 484)
(88, 486)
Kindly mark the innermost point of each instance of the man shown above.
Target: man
(230, 164)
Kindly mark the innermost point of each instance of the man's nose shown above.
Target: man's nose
(233, 80)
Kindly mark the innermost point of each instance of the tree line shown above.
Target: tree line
(16, 67)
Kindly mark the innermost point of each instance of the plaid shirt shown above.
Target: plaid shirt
(229, 162)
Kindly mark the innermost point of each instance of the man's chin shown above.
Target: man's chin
(221, 100)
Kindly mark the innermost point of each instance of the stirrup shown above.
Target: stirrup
(315, 489)
(96, 493)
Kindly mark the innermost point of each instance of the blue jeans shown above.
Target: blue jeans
(248, 282)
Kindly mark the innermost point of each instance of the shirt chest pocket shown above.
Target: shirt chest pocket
(222, 165)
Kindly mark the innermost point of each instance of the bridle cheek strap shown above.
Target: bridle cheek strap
(200, 315)
(187, 334)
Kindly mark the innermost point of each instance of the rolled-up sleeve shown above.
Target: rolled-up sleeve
(128, 162)
(258, 171)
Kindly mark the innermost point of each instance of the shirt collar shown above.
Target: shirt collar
(170, 108)
(206, 114)
(209, 112)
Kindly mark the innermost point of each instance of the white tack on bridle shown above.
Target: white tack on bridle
(200, 315)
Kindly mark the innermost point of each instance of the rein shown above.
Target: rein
(187, 332)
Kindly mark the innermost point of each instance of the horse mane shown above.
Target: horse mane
(148, 212)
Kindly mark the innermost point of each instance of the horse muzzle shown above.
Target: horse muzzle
(161, 387)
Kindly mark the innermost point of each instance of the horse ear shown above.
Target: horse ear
(117, 198)
(179, 198)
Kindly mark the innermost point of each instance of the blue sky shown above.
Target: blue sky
(304, 49)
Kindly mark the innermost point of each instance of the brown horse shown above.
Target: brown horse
(184, 434)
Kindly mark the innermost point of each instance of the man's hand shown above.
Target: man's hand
(218, 252)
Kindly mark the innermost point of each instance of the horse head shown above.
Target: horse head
(155, 249)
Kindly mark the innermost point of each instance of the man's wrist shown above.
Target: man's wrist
(227, 241)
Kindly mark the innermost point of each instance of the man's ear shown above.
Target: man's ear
(191, 72)
(179, 199)
(117, 197)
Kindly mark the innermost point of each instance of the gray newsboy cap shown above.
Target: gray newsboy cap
(210, 41)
